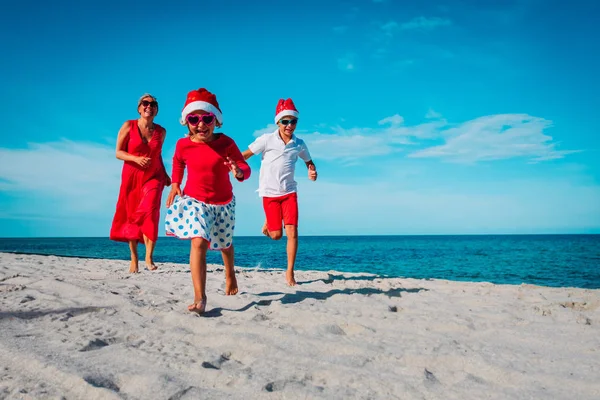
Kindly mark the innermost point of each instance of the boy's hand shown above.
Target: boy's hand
(312, 172)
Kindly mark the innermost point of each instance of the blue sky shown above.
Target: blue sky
(443, 117)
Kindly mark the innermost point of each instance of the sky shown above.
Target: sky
(442, 117)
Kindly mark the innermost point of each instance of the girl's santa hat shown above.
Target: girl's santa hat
(285, 107)
(201, 99)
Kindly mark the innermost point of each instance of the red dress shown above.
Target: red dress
(138, 206)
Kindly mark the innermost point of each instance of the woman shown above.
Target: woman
(139, 145)
(205, 211)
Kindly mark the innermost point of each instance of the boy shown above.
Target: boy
(280, 151)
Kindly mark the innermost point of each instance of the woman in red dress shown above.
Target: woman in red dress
(139, 145)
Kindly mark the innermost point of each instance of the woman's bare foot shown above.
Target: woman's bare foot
(198, 306)
(265, 230)
(289, 276)
(150, 266)
(133, 267)
(231, 286)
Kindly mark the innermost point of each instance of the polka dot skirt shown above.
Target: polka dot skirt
(188, 218)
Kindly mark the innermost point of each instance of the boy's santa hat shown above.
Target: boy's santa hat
(201, 99)
(285, 107)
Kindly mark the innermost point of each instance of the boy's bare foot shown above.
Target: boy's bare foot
(133, 267)
(231, 286)
(198, 306)
(289, 276)
(265, 230)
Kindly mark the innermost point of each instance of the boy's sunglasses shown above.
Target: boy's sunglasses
(147, 103)
(194, 119)
(289, 121)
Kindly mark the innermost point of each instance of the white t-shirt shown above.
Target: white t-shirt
(278, 163)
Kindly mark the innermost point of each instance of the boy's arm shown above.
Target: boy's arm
(305, 156)
(312, 170)
(247, 154)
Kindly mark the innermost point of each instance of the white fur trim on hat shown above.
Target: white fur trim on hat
(200, 105)
(283, 113)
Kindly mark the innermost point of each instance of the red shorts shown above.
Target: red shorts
(283, 208)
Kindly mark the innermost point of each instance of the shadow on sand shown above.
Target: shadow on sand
(291, 298)
(68, 312)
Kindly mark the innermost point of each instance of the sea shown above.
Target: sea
(547, 260)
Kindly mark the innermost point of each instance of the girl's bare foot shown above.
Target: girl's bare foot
(133, 267)
(289, 276)
(198, 306)
(231, 286)
(265, 230)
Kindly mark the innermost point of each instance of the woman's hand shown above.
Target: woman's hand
(142, 161)
(175, 191)
(167, 180)
(237, 172)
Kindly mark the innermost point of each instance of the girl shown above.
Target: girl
(205, 212)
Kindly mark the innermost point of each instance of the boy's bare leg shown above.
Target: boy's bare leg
(133, 266)
(291, 232)
(198, 251)
(231, 286)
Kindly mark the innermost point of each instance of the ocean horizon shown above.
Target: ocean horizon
(556, 260)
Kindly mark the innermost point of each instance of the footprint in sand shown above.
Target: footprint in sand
(101, 382)
(27, 299)
(218, 363)
(97, 344)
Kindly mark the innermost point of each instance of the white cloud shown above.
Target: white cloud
(394, 120)
(62, 188)
(432, 114)
(79, 174)
(390, 27)
(268, 129)
(345, 145)
(510, 206)
(493, 137)
(425, 23)
(496, 137)
(357, 143)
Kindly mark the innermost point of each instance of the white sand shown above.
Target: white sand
(86, 329)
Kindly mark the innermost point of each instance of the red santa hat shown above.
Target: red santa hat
(285, 107)
(201, 99)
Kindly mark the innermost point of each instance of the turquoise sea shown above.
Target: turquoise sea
(549, 260)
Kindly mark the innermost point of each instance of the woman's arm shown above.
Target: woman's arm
(122, 140)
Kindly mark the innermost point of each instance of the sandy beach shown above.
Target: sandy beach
(86, 329)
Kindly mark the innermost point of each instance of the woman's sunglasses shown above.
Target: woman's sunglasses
(289, 121)
(194, 119)
(147, 103)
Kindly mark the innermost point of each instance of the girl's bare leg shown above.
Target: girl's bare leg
(198, 251)
(231, 286)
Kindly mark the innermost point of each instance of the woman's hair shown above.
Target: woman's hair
(145, 95)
